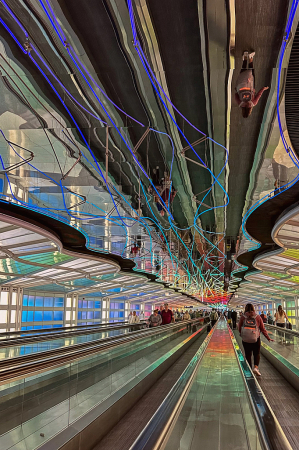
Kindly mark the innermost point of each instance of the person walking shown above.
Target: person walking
(245, 92)
(167, 315)
(141, 315)
(280, 321)
(234, 319)
(280, 317)
(133, 319)
(213, 317)
(155, 319)
(229, 318)
(250, 327)
(263, 317)
(160, 310)
(187, 316)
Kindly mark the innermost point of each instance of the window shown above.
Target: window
(38, 316)
(97, 304)
(25, 300)
(58, 315)
(48, 315)
(90, 304)
(84, 315)
(49, 302)
(58, 303)
(79, 315)
(80, 303)
(12, 316)
(14, 299)
(84, 303)
(97, 315)
(39, 302)
(89, 314)
(29, 316)
(4, 298)
(31, 300)
(3, 316)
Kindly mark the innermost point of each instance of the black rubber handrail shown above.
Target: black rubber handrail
(270, 431)
(155, 433)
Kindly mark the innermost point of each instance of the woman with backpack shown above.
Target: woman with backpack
(245, 91)
(250, 327)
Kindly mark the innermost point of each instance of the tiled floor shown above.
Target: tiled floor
(216, 414)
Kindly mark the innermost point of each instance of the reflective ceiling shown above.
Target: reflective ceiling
(117, 119)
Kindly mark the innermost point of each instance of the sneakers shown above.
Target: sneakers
(256, 371)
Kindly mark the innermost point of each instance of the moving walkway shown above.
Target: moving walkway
(44, 394)
(163, 388)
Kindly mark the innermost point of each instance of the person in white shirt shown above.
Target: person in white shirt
(141, 315)
(280, 317)
(134, 319)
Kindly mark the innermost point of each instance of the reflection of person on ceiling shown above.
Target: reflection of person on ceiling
(245, 92)
(167, 194)
(165, 189)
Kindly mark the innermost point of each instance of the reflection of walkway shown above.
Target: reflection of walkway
(260, 27)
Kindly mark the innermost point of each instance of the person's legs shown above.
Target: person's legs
(257, 352)
(248, 352)
(234, 324)
(280, 325)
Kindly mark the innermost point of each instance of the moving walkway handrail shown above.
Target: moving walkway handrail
(284, 330)
(270, 431)
(63, 335)
(22, 366)
(68, 334)
(156, 432)
(56, 330)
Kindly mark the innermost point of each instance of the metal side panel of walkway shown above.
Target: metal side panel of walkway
(216, 414)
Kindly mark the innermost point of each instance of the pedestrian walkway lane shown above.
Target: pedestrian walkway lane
(216, 413)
